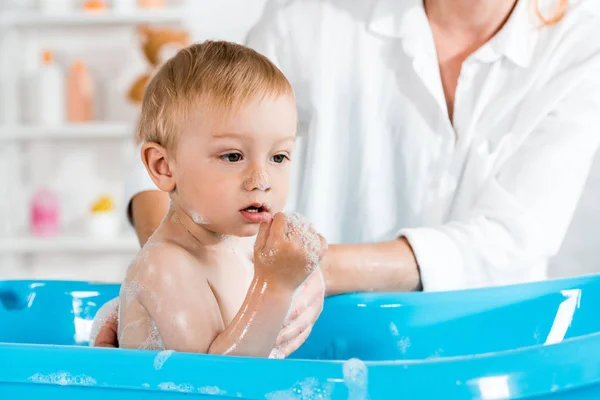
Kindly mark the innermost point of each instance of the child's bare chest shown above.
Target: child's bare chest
(230, 283)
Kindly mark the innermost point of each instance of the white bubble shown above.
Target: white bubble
(308, 389)
(394, 329)
(299, 226)
(63, 379)
(404, 344)
(276, 353)
(356, 379)
(131, 290)
(161, 358)
(153, 341)
(182, 387)
(211, 390)
(198, 218)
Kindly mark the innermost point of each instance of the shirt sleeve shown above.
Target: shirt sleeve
(519, 219)
(138, 180)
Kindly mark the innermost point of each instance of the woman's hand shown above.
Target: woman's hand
(305, 310)
(106, 325)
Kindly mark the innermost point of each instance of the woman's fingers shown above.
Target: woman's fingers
(288, 348)
(107, 336)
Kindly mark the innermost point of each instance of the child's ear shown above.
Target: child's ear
(156, 161)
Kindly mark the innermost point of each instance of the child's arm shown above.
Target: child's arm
(187, 314)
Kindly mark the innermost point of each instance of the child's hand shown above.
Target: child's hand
(287, 250)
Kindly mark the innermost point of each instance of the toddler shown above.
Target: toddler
(217, 129)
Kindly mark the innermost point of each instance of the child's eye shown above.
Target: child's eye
(232, 157)
(279, 158)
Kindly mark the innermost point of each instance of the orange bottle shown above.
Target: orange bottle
(80, 93)
(151, 3)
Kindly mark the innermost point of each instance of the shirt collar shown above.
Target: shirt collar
(407, 20)
(517, 37)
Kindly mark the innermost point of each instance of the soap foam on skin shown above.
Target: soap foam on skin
(258, 179)
(300, 226)
(198, 219)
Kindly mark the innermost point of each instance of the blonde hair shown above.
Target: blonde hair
(559, 12)
(219, 74)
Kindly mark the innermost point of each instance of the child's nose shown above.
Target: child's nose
(257, 180)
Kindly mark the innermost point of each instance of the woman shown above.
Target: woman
(451, 138)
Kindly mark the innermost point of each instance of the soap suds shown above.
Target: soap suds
(153, 341)
(356, 379)
(161, 358)
(63, 379)
(404, 344)
(310, 388)
(198, 219)
(131, 290)
(257, 180)
(276, 353)
(212, 390)
(183, 387)
(394, 329)
(311, 242)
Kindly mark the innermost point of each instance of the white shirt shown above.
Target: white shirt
(484, 202)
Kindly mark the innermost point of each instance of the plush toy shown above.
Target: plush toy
(158, 45)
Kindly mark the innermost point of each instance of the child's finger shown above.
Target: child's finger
(278, 230)
(263, 234)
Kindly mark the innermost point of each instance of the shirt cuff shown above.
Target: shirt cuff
(439, 259)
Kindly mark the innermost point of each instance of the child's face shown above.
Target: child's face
(230, 172)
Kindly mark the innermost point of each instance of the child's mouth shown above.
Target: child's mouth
(255, 213)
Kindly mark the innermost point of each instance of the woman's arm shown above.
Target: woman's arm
(148, 208)
(378, 267)
(517, 221)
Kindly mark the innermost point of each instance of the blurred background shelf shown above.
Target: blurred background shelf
(82, 163)
(69, 244)
(95, 130)
(36, 19)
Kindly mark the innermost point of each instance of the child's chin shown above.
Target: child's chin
(247, 231)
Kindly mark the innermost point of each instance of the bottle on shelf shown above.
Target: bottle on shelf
(104, 220)
(80, 93)
(45, 214)
(94, 6)
(151, 3)
(48, 95)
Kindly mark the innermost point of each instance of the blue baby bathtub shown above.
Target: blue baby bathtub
(535, 340)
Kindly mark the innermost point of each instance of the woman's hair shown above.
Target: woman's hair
(559, 12)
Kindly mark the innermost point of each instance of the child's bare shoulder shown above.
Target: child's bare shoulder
(163, 262)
